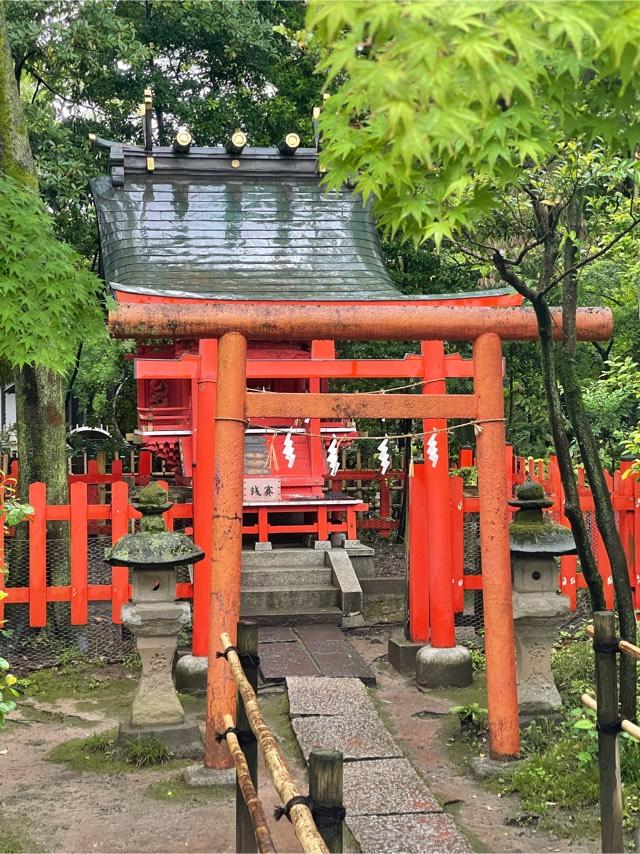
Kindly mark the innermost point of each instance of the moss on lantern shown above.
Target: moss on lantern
(153, 545)
(532, 530)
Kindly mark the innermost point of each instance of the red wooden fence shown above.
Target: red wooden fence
(84, 517)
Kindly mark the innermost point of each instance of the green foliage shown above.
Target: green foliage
(11, 513)
(469, 474)
(438, 106)
(473, 720)
(49, 299)
(560, 771)
(147, 750)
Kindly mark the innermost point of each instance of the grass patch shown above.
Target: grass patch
(13, 839)
(106, 687)
(175, 789)
(47, 716)
(145, 751)
(99, 754)
(559, 779)
(275, 710)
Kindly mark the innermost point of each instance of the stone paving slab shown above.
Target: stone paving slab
(277, 634)
(330, 696)
(334, 654)
(385, 787)
(389, 807)
(410, 834)
(310, 650)
(281, 659)
(359, 735)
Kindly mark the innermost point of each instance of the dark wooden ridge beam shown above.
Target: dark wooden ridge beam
(349, 322)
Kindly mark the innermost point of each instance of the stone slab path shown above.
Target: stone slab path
(389, 807)
(310, 650)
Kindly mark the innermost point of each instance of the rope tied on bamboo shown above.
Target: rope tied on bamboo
(323, 816)
(243, 737)
(245, 657)
(607, 646)
(610, 729)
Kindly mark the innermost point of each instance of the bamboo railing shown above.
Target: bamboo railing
(300, 814)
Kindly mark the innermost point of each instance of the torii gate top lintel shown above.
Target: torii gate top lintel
(356, 322)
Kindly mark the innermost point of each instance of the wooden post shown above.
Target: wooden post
(226, 547)
(325, 790)
(608, 749)
(438, 516)
(247, 645)
(203, 475)
(502, 695)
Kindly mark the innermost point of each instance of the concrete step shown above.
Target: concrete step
(304, 596)
(283, 557)
(284, 617)
(287, 577)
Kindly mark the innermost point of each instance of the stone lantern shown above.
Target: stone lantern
(538, 608)
(156, 619)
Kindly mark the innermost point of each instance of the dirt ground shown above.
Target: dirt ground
(47, 806)
(86, 804)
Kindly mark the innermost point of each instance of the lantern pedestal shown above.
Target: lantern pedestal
(156, 619)
(538, 608)
(156, 627)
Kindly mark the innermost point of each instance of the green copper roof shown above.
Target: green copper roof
(238, 236)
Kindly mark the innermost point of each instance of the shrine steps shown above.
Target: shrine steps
(296, 586)
(287, 617)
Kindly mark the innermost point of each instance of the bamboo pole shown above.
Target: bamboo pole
(251, 799)
(300, 814)
(628, 727)
(623, 645)
(247, 633)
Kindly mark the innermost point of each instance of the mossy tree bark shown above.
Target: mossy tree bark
(570, 408)
(40, 409)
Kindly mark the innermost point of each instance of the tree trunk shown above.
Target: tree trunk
(565, 463)
(40, 408)
(605, 517)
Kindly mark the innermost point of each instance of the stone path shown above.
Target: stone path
(310, 650)
(389, 808)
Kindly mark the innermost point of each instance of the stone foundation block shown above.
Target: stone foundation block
(402, 654)
(444, 667)
(198, 776)
(322, 545)
(182, 740)
(191, 674)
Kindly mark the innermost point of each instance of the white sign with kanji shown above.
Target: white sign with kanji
(261, 489)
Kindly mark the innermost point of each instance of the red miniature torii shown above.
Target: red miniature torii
(233, 324)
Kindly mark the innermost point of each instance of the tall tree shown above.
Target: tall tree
(489, 126)
(49, 298)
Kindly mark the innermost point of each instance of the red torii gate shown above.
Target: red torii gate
(234, 324)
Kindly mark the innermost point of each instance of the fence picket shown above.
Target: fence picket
(456, 491)
(119, 527)
(38, 556)
(79, 553)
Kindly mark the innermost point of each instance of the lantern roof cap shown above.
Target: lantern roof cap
(533, 532)
(153, 547)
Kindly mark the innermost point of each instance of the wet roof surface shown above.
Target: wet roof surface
(221, 236)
